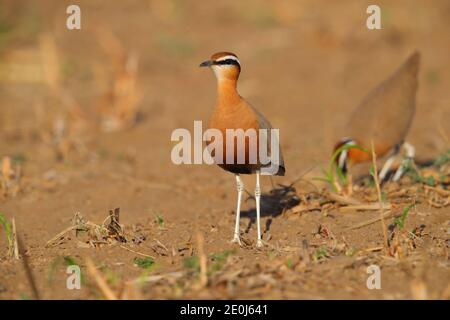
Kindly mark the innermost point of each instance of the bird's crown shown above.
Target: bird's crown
(225, 58)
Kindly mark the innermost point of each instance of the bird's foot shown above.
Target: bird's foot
(260, 243)
(236, 239)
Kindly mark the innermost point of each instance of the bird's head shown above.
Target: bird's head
(225, 65)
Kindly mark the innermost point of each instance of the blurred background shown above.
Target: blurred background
(86, 115)
(133, 69)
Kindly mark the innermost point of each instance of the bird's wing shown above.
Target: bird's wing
(265, 124)
(386, 113)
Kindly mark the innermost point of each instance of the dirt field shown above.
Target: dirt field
(85, 123)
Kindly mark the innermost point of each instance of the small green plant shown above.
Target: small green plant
(219, 259)
(8, 230)
(19, 158)
(350, 252)
(442, 159)
(412, 171)
(192, 263)
(111, 277)
(320, 253)
(63, 261)
(400, 221)
(333, 170)
(290, 263)
(144, 263)
(69, 261)
(24, 296)
(159, 220)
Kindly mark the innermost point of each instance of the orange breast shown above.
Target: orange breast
(357, 156)
(239, 118)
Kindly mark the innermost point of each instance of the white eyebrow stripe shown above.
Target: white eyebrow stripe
(229, 57)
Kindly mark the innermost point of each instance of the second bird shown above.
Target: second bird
(384, 118)
(233, 112)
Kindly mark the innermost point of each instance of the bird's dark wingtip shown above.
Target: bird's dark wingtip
(281, 171)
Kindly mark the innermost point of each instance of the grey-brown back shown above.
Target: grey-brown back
(386, 113)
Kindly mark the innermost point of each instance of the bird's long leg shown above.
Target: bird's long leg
(410, 153)
(386, 167)
(259, 242)
(240, 189)
(388, 164)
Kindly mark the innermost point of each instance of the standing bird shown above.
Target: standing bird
(384, 117)
(233, 112)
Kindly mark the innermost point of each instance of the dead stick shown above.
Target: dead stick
(137, 252)
(59, 235)
(101, 282)
(27, 268)
(368, 206)
(440, 191)
(15, 244)
(373, 249)
(203, 260)
(342, 200)
(160, 244)
(387, 214)
(157, 277)
(377, 184)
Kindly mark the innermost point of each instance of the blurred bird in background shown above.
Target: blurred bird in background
(384, 118)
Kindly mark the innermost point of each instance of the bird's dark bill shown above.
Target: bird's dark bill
(207, 63)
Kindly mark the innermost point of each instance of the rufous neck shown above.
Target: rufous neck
(227, 91)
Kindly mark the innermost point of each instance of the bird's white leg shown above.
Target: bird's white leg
(410, 152)
(386, 167)
(240, 189)
(259, 242)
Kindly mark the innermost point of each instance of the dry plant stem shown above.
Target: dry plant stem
(373, 249)
(158, 277)
(342, 200)
(15, 244)
(377, 184)
(203, 260)
(100, 280)
(27, 268)
(368, 206)
(440, 191)
(337, 186)
(160, 244)
(60, 235)
(137, 252)
(304, 208)
(68, 229)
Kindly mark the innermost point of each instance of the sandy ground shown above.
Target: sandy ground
(305, 65)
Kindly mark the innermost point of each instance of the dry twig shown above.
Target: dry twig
(203, 260)
(377, 184)
(100, 280)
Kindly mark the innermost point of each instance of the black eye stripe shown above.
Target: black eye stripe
(227, 62)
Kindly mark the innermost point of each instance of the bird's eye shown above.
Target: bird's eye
(227, 62)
